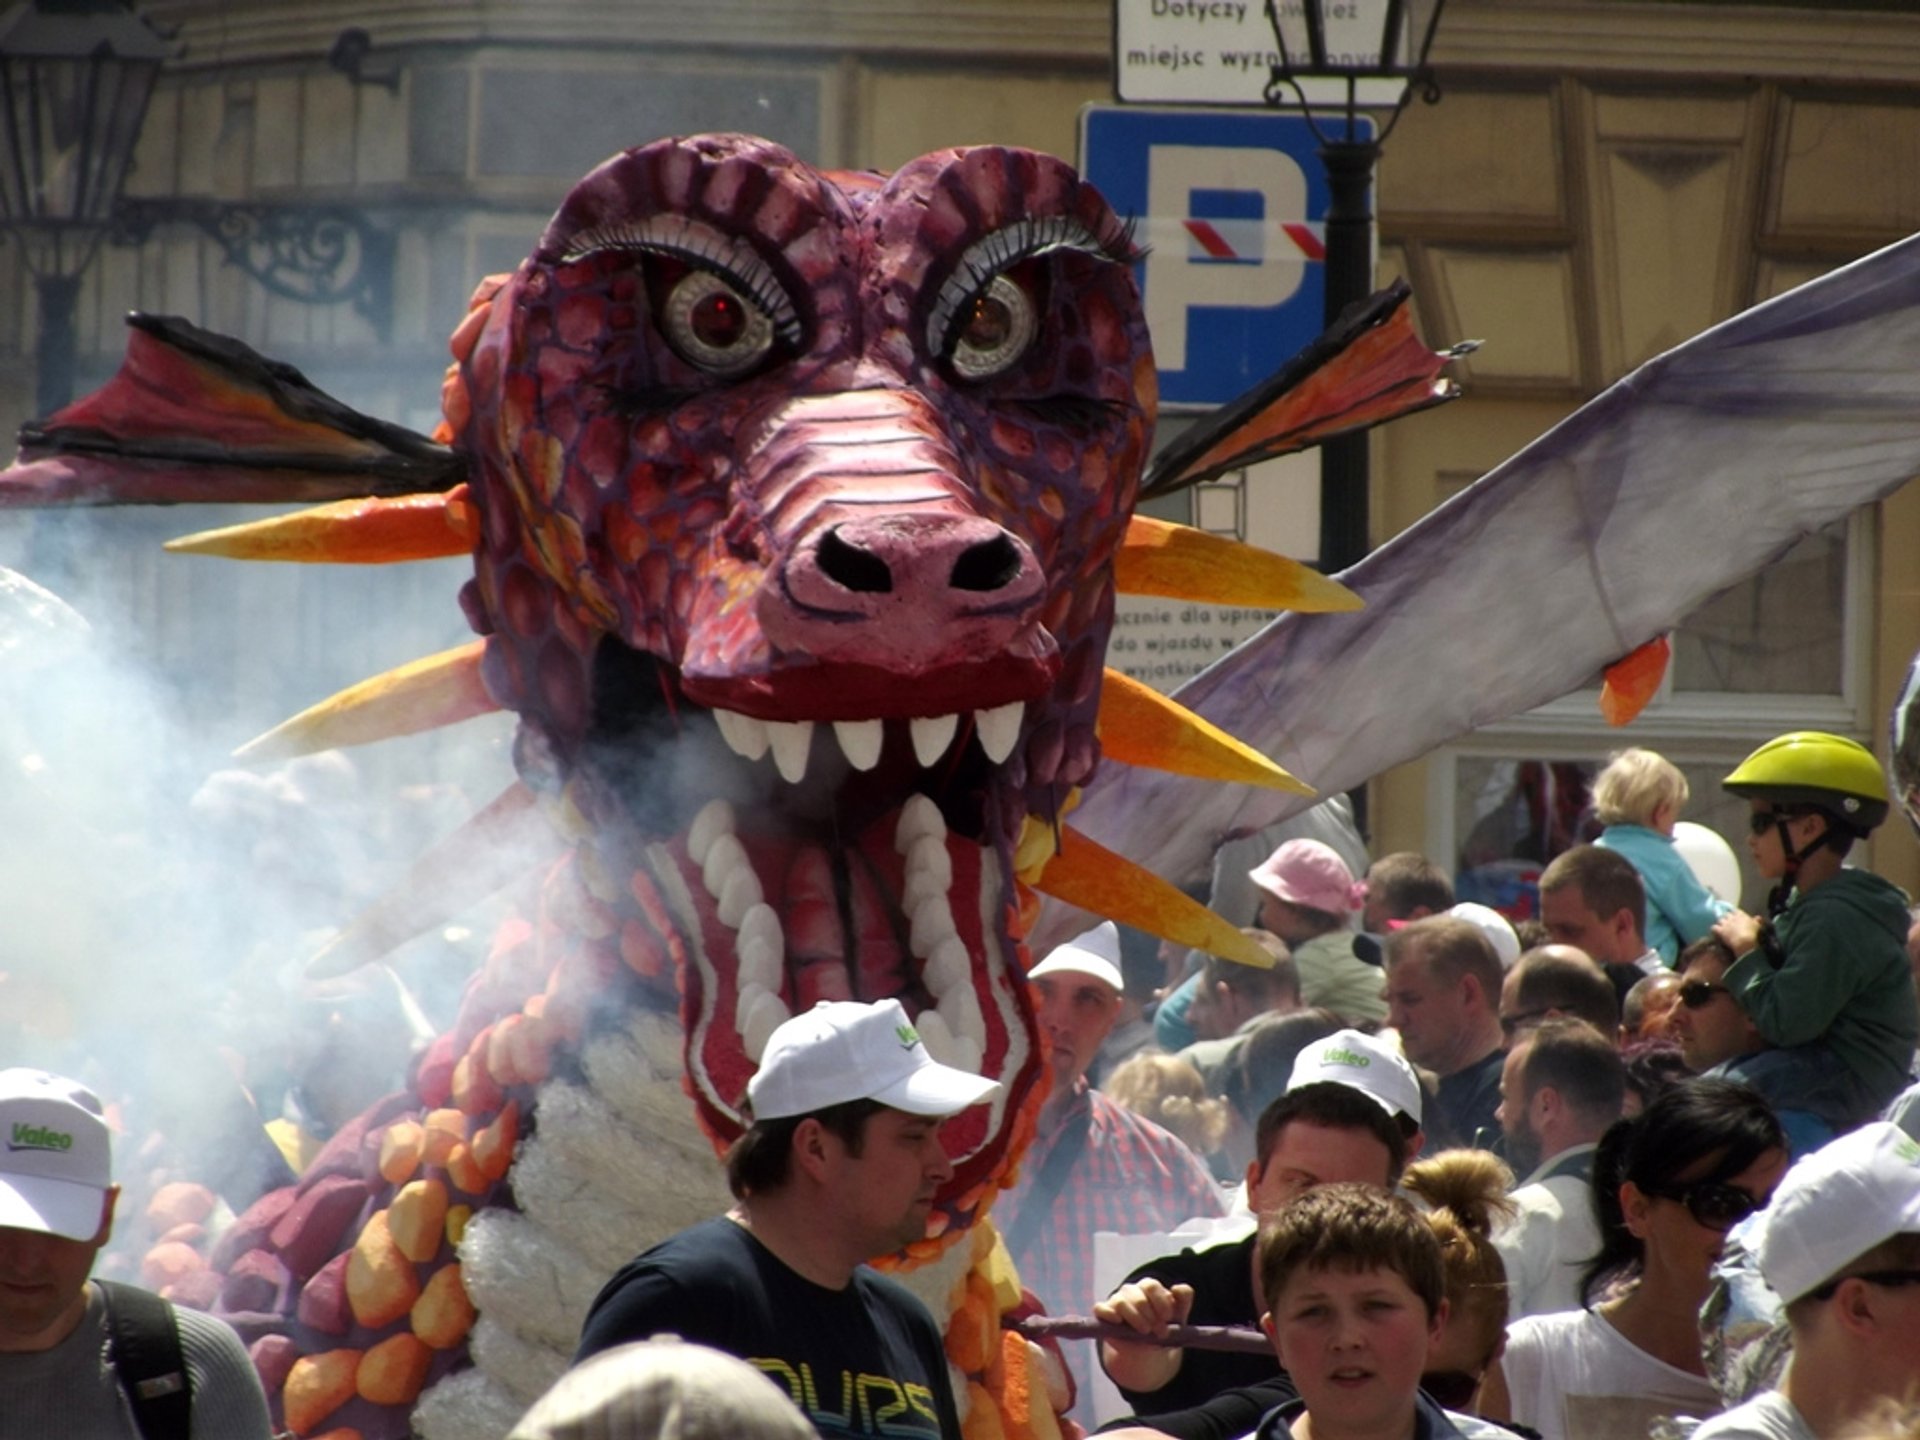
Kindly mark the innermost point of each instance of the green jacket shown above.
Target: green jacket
(1844, 982)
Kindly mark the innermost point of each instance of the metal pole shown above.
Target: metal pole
(1349, 262)
(1343, 461)
(54, 352)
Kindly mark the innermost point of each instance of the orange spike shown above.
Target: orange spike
(422, 694)
(1140, 726)
(1633, 680)
(501, 844)
(1161, 558)
(1092, 877)
(348, 532)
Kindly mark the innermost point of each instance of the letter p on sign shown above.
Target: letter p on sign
(1226, 230)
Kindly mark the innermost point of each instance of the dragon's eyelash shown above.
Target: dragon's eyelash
(731, 258)
(1006, 247)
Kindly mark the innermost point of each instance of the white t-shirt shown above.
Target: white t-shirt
(1768, 1416)
(1572, 1376)
(1552, 1235)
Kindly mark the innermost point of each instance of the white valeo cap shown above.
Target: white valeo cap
(57, 1164)
(1836, 1204)
(843, 1050)
(1361, 1062)
(1096, 953)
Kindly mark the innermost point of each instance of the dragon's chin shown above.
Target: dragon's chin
(794, 862)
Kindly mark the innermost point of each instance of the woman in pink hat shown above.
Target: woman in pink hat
(1308, 899)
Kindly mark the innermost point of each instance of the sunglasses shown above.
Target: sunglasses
(1509, 1024)
(1698, 994)
(1872, 1277)
(1761, 821)
(1712, 1203)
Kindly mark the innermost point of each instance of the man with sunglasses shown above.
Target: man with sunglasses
(1717, 1037)
(1840, 1245)
(1827, 970)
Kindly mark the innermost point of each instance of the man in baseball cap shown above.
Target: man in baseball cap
(56, 1210)
(842, 1163)
(1840, 1245)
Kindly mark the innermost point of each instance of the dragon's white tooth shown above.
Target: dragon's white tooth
(960, 1008)
(919, 816)
(761, 926)
(724, 856)
(948, 967)
(768, 1014)
(932, 922)
(929, 853)
(739, 894)
(760, 948)
(745, 736)
(968, 1054)
(931, 736)
(750, 993)
(935, 1035)
(791, 739)
(999, 728)
(920, 884)
(714, 820)
(860, 741)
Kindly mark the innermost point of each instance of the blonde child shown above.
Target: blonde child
(1638, 797)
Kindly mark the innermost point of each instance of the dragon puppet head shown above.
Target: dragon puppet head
(814, 485)
(797, 503)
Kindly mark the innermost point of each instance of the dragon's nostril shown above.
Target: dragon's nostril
(990, 565)
(851, 567)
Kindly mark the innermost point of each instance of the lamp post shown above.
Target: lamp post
(75, 78)
(1344, 59)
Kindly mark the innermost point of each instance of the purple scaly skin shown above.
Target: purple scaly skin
(763, 460)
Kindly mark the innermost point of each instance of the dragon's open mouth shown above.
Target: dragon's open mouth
(795, 861)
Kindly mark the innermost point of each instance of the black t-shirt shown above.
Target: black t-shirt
(1467, 1102)
(865, 1361)
(1222, 1281)
(1227, 1416)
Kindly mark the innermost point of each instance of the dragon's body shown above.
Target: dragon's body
(795, 504)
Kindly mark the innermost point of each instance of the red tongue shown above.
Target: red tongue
(816, 941)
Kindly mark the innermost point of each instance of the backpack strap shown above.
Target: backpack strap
(1067, 1149)
(143, 1339)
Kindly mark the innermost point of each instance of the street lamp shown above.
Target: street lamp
(1345, 58)
(75, 78)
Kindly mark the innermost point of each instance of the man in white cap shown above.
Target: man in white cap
(1840, 1245)
(841, 1164)
(166, 1371)
(1561, 1087)
(1351, 1112)
(1093, 1165)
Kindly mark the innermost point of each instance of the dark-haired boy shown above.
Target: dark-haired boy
(1323, 1130)
(1354, 1289)
(841, 1165)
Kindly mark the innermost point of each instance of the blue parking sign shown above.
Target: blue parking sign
(1231, 205)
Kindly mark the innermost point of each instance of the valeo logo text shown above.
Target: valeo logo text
(1348, 1057)
(38, 1137)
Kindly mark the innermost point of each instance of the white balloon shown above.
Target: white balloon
(1710, 858)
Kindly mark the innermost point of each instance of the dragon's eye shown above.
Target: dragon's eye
(993, 330)
(714, 326)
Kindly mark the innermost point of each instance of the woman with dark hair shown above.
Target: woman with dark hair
(1667, 1186)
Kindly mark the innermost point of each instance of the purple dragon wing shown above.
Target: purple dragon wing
(1691, 473)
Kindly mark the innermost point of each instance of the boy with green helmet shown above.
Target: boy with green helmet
(1825, 976)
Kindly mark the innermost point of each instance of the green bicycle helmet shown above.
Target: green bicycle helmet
(1811, 767)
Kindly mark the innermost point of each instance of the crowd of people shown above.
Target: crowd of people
(1428, 1175)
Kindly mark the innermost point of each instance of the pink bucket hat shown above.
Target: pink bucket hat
(1305, 872)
